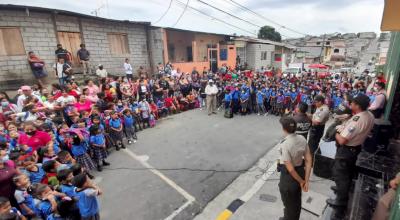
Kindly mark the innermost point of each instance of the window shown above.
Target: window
(223, 54)
(336, 51)
(171, 52)
(328, 43)
(318, 43)
(189, 54)
(11, 42)
(263, 55)
(118, 43)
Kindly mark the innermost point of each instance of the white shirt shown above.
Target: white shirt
(65, 100)
(211, 89)
(101, 73)
(128, 68)
(59, 69)
(21, 99)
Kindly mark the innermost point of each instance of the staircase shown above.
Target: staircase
(372, 51)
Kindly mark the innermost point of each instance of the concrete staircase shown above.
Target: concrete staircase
(372, 51)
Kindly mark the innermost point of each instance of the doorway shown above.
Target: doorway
(213, 59)
(71, 41)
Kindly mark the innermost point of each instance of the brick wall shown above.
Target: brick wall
(156, 46)
(38, 35)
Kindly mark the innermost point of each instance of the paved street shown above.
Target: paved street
(189, 152)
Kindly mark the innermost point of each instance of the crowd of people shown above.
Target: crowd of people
(51, 138)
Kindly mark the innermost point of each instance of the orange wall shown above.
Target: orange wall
(187, 67)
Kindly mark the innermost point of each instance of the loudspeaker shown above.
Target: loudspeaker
(379, 136)
(323, 166)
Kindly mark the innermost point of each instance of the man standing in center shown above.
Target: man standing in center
(319, 118)
(211, 92)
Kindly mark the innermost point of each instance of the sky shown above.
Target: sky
(312, 17)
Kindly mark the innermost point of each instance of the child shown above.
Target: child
(35, 172)
(98, 144)
(86, 192)
(129, 126)
(50, 167)
(79, 150)
(273, 100)
(65, 158)
(9, 212)
(280, 103)
(48, 199)
(260, 101)
(48, 154)
(65, 177)
(244, 101)
(145, 112)
(25, 200)
(228, 99)
(116, 130)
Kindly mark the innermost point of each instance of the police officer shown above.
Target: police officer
(319, 118)
(295, 155)
(377, 107)
(302, 120)
(349, 138)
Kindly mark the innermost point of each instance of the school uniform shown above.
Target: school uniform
(235, 101)
(129, 127)
(68, 190)
(228, 100)
(44, 209)
(115, 135)
(23, 197)
(260, 102)
(99, 153)
(88, 204)
(38, 176)
(80, 155)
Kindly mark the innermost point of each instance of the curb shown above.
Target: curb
(228, 212)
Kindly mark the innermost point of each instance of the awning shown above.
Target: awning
(317, 66)
(391, 16)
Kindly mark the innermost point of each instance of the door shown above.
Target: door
(212, 57)
(71, 41)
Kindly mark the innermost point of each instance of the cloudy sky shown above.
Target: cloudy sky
(305, 16)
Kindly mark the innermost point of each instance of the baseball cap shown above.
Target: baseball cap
(25, 88)
(210, 80)
(100, 65)
(342, 110)
(361, 100)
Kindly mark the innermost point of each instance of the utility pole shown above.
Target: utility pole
(322, 49)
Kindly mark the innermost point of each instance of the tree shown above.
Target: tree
(269, 33)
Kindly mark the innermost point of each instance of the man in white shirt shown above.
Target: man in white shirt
(101, 72)
(27, 91)
(128, 69)
(65, 99)
(211, 92)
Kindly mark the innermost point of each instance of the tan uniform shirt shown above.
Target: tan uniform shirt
(357, 128)
(293, 148)
(321, 114)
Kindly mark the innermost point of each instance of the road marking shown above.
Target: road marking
(259, 183)
(190, 199)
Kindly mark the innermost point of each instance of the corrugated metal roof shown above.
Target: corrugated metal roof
(64, 12)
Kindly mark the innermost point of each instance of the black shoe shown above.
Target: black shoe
(99, 168)
(117, 147)
(338, 214)
(89, 175)
(105, 163)
(334, 189)
(334, 203)
(123, 146)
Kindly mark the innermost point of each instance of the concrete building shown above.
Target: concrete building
(190, 49)
(25, 28)
(258, 53)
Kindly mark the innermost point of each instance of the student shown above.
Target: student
(98, 144)
(34, 170)
(244, 101)
(228, 98)
(79, 150)
(260, 101)
(9, 212)
(87, 193)
(145, 112)
(116, 132)
(25, 200)
(280, 103)
(129, 126)
(65, 177)
(47, 199)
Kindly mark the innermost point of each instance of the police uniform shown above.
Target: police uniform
(293, 148)
(321, 115)
(303, 124)
(355, 131)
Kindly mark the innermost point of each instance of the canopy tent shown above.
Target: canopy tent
(317, 66)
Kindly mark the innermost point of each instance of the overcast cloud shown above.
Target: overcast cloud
(306, 16)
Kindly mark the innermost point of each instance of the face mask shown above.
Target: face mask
(4, 104)
(31, 133)
(100, 68)
(5, 159)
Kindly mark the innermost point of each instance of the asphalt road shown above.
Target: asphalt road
(194, 155)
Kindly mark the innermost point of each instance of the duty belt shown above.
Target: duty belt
(352, 148)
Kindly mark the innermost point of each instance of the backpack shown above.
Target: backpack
(228, 113)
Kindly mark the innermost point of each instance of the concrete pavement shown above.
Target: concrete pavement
(193, 153)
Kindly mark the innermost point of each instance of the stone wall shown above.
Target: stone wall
(156, 46)
(38, 34)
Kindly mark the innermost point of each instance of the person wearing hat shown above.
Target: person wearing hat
(349, 138)
(319, 118)
(341, 114)
(295, 167)
(101, 72)
(211, 92)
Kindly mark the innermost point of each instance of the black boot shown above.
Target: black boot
(99, 168)
(123, 146)
(89, 175)
(105, 163)
(117, 147)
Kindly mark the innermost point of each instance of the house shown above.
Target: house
(186, 49)
(259, 53)
(26, 28)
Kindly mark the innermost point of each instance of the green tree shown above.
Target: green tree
(269, 33)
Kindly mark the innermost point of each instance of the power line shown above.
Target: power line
(165, 13)
(216, 8)
(215, 18)
(265, 18)
(183, 12)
